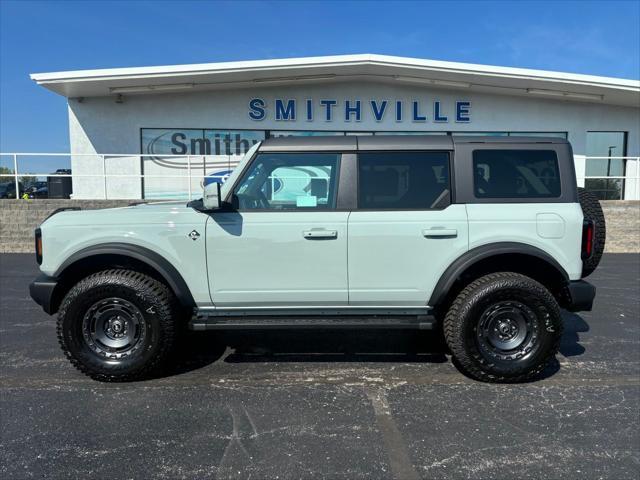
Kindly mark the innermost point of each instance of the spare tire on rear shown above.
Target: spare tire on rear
(592, 211)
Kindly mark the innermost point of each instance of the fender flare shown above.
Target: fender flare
(473, 256)
(152, 259)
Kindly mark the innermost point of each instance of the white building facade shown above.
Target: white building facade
(159, 132)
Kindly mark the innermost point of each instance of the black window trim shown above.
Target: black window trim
(449, 154)
(463, 166)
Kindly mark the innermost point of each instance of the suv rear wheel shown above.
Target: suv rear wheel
(117, 325)
(503, 327)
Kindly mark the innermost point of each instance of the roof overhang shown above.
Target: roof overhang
(369, 68)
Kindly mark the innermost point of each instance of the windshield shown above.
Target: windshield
(226, 186)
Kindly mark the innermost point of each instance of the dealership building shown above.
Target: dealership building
(160, 132)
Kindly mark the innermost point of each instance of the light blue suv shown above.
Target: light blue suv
(483, 239)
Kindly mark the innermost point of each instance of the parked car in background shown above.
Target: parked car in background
(8, 189)
(37, 190)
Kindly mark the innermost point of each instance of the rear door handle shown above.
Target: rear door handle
(319, 233)
(440, 232)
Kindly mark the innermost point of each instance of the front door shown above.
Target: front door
(405, 231)
(284, 244)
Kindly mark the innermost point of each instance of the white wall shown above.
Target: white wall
(632, 186)
(99, 125)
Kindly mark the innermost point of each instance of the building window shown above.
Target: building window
(607, 148)
(211, 155)
(303, 133)
(539, 134)
(176, 161)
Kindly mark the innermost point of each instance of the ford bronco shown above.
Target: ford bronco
(483, 239)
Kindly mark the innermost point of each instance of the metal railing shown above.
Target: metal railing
(192, 168)
(190, 165)
(624, 180)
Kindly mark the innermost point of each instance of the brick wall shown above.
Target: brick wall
(623, 225)
(18, 219)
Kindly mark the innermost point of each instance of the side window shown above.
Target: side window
(403, 180)
(516, 174)
(289, 181)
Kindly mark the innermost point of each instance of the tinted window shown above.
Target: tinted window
(516, 174)
(403, 180)
(286, 181)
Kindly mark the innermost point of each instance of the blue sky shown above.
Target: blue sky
(600, 38)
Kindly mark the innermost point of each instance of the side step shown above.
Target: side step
(203, 321)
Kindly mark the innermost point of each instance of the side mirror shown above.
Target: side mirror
(211, 196)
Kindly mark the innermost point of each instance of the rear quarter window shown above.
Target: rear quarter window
(516, 174)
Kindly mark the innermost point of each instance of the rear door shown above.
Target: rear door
(405, 232)
(285, 244)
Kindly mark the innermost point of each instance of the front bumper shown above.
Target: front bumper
(579, 296)
(41, 290)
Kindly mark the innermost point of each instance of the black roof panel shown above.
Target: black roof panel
(496, 139)
(405, 142)
(318, 144)
(389, 142)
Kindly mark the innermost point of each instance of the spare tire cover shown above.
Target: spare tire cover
(592, 210)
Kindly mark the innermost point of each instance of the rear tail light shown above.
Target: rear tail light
(588, 231)
(39, 246)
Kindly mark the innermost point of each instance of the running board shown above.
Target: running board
(204, 321)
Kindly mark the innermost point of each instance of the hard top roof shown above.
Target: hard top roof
(389, 142)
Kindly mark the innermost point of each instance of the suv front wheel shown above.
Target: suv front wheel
(503, 327)
(117, 325)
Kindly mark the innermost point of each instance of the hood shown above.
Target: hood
(143, 213)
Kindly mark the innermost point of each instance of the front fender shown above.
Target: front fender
(169, 273)
(158, 234)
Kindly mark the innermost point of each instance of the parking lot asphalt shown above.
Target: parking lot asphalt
(324, 405)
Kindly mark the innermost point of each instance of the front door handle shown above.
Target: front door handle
(440, 232)
(317, 233)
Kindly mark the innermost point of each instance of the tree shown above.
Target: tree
(24, 179)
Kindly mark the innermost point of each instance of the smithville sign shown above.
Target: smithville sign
(329, 110)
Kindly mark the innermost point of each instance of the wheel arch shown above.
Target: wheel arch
(504, 256)
(109, 255)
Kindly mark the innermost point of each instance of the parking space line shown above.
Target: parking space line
(399, 459)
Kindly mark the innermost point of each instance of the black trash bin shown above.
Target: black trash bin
(60, 187)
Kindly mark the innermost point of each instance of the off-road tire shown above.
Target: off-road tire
(464, 330)
(592, 210)
(157, 313)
